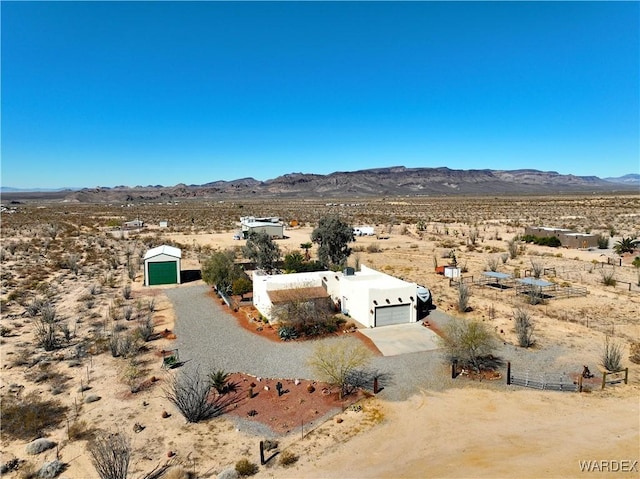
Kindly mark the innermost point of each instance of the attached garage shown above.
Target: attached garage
(162, 266)
(388, 315)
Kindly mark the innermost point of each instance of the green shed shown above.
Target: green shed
(162, 266)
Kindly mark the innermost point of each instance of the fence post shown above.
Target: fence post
(454, 365)
(580, 383)
(508, 373)
(604, 378)
(626, 375)
(262, 462)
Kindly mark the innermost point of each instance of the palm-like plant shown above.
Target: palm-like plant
(625, 245)
(219, 380)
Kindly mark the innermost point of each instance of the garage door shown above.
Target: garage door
(388, 315)
(163, 273)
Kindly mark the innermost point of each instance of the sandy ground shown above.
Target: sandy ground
(473, 430)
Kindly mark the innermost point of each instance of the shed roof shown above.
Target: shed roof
(496, 275)
(541, 283)
(258, 224)
(164, 249)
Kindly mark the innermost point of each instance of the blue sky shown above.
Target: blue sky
(139, 93)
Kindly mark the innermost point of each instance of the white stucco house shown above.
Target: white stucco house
(368, 296)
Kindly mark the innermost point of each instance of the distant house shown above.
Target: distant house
(162, 265)
(132, 225)
(370, 297)
(271, 226)
(567, 237)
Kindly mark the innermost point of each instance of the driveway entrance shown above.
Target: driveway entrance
(402, 338)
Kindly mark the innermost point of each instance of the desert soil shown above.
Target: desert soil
(447, 428)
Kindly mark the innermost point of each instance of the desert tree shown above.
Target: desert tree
(337, 361)
(297, 312)
(333, 237)
(471, 343)
(110, 454)
(524, 327)
(262, 250)
(220, 270)
(242, 285)
(306, 247)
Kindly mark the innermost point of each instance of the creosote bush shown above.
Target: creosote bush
(244, 467)
(471, 343)
(287, 458)
(464, 293)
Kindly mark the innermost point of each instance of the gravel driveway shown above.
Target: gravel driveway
(210, 338)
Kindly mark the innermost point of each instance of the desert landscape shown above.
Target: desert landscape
(83, 342)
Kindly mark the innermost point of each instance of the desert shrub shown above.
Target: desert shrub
(126, 291)
(608, 277)
(471, 343)
(603, 241)
(288, 458)
(464, 293)
(110, 454)
(551, 241)
(30, 416)
(127, 313)
(537, 268)
(145, 328)
(611, 358)
(287, 333)
(373, 248)
(45, 328)
(337, 361)
(244, 467)
(79, 430)
(524, 327)
(189, 392)
(493, 263)
(219, 380)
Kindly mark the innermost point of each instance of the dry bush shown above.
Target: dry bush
(244, 467)
(287, 458)
(524, 327)
(110, 454)
(611, 358)
(30, 416)
(464, 293)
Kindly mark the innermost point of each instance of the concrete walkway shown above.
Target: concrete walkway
(402, 338)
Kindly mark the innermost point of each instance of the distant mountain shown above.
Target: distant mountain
(392, 181)
(630, 179)
(9, 189)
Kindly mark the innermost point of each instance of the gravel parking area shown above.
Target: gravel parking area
(210, 338)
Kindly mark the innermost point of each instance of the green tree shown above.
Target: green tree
(219, 270)
(262, 250)
(333, 237)
(242, 285)
(293, 262)
(337, 361)
(306, 247)
(625, 245)
(468, 342)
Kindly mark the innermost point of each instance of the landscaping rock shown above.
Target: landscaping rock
(39, 445)
(50, 470)
(229, 473)
(91, 398)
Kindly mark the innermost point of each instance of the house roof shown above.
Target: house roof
(278, 296)
(164, 249)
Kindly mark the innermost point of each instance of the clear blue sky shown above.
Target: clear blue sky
(140, 93)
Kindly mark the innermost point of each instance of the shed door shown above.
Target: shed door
(388, 315)
(165, 272)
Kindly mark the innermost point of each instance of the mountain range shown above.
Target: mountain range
(391, 181)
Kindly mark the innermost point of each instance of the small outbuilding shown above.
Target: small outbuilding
(162, 265)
